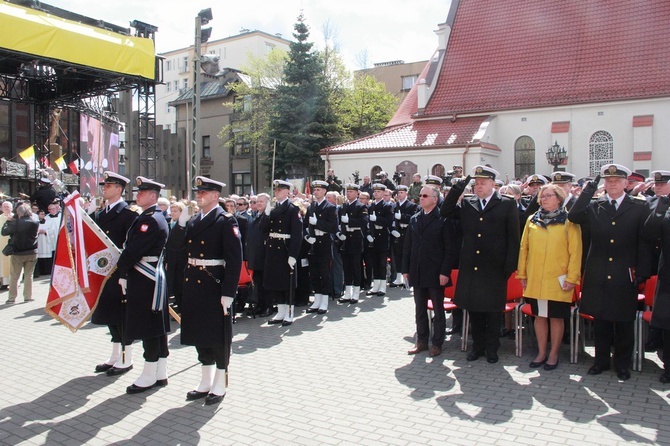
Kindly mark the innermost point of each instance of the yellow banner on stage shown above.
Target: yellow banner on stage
(26, 30)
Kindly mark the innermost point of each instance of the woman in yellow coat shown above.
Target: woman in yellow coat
(549, 267)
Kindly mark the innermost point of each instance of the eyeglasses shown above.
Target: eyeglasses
(547, 196)
(241, 204)
(426, 196)
(252, 202)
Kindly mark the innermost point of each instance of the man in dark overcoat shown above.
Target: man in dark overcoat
(353, 217)
(427, 262)
(618, 262)
(320, 228)
(137, 267)
(211, 277)
(488, 256)
(403, 211)
(255, 251)
(115, 219)
(380, 216)
(284, 232)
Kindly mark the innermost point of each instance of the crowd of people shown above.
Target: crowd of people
(559, 236)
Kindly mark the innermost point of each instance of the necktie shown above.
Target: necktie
(108, 209)
(483, 203)
(614, 204)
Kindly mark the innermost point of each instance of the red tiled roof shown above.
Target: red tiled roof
(511, 54)
(409, 105)
(417, 134)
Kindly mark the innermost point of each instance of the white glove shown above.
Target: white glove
(184, 217)
(291, 262)
(124, 285)
(268, 208)
(341, 236)
(312, 220)
(345, 219)
(373, 217)
(398, 215)
(226, 302)
(370, 238)
(310, 240)
(395, 233)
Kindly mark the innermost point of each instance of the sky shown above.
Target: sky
(368, 31)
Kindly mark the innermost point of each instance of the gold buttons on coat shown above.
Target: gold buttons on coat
(186, 280)
(477, 251)
(201, 268)
(202, 255)
(479, 235)
(190, 241)
(198, 280)
(107, 231)
(202, 242)
(609, 277)
(613, 223)
(612, 241)
(476, 268)
(481, 219)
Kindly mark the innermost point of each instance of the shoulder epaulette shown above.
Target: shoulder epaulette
(228, 214)
(640, 198)
(468, 195)
(507, 196)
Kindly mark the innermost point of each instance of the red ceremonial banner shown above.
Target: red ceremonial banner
(84, 259)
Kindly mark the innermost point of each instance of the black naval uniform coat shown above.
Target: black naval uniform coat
(407, 210)
(326, 221)
(284, 219)
(146, 237)
(489, 252)
(356, 229)
(616, 246)
(381, 228)
(115, 224)
(429, 250)
(214, 237)
(657, 229)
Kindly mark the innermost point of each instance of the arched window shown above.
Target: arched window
(438, 170)
(373, 173)
(601, 151)
(524, 156)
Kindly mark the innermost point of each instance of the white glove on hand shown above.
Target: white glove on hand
(341, 236)
(373, 217)
(395, 233)
(226, 302)
(398, 215)
(124, 285)
(268, 208)
(184, 217)
(312, 220)
(310, 240)
(370, 238)
(345, 219)
(291, 262)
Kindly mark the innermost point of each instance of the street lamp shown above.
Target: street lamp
(193, 158)
(556, 155)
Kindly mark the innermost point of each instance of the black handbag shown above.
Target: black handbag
(9, 249)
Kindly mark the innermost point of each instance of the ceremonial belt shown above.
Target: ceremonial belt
(352, 229)
(206, 262)
(403, 225)
(157, 274)
(379, 227)
(319, 233)
(278, 235)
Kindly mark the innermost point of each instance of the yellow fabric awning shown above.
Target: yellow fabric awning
(25, 30)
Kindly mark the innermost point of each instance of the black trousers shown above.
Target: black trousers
(155, 348)
(262, 300)
(379, 264)
(666, 350)
(367, 268)
(115, 331)
(421, 297)
(352, 269)
(485, 331)
(213, 355)
(319, 275)
(620, 335)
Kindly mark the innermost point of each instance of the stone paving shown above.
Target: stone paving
(339, 379)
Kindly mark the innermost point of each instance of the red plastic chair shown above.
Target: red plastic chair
(642, 320)
(246, 282)
(448, 296)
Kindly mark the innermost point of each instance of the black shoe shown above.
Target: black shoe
(623, 374)
(665, 378)
(116, 371)
(264, 313)
(551, 366)
(371, 293)
(103, 367)
(161, 382)
(342, 300)
(311, 310)
(381, 293)
(474, 355)
(454, 330)
(320, 311)
(353, 301)
(213, 399)
(275, 321)
(132, 389)
(195, 395)
(491, 358)
(393, 285)
(538, 364)
(597, 369)
(286, 323)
